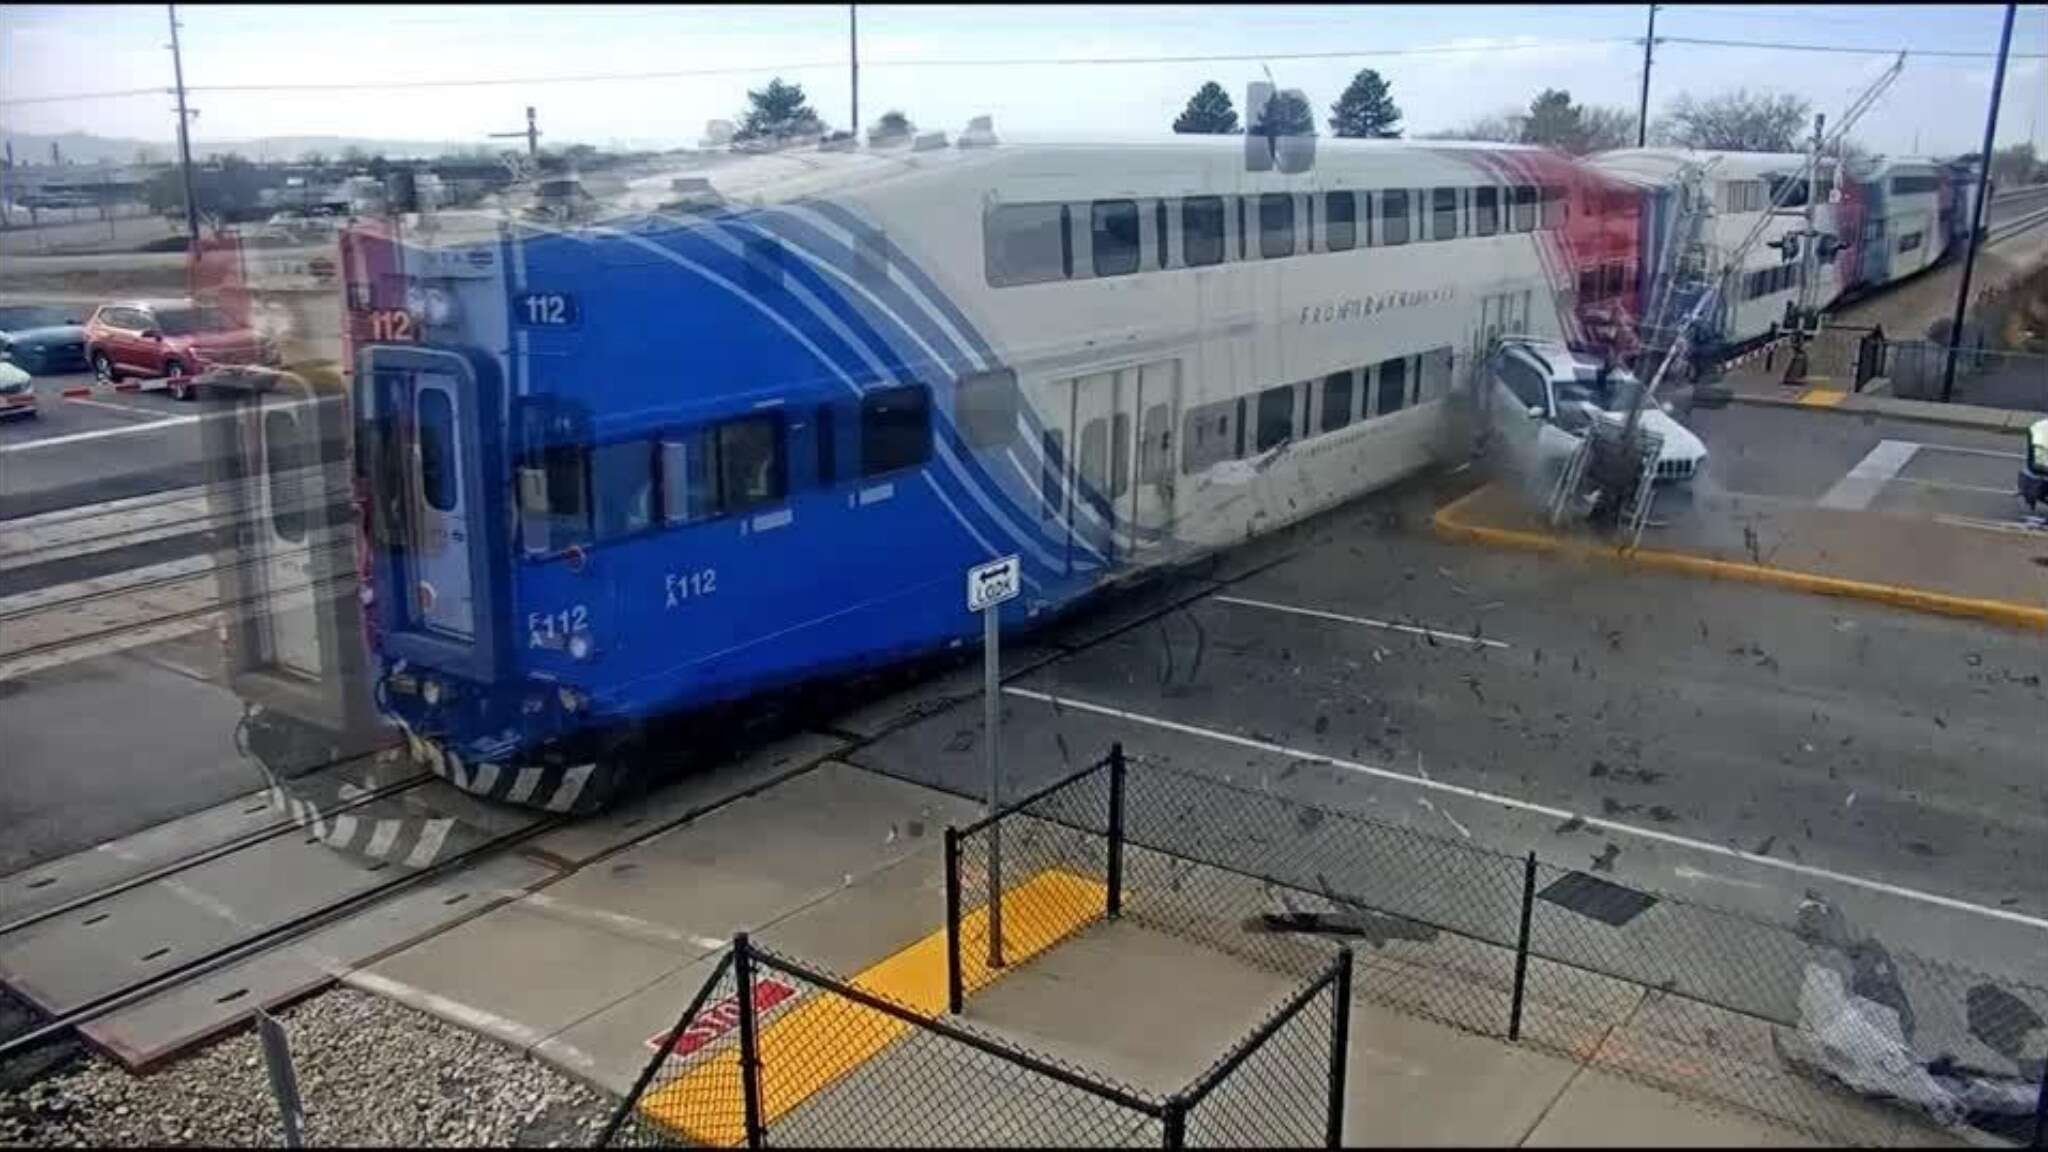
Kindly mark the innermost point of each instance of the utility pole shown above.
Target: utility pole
(1643, 107)
(532, 135)
(184, 134)
(1955, 328)
(853, 56)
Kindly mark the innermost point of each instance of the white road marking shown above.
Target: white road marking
(1991, 452)
(1363, 621)
(1687, 872)
(97, 434)
(2018, 528)
(469, 1016)
(110, 406)
(1864, 481)
(1528, 806)
(1950, 484)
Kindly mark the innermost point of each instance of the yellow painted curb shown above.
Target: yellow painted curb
(1822, 397)
(1899, 596)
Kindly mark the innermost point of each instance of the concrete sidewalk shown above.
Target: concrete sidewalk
(1907, 562)
(1753, 386)
(842, 868)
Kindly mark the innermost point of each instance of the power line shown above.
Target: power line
(1844, 49)
(116, 94)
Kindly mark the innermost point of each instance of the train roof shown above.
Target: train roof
(1661, 164)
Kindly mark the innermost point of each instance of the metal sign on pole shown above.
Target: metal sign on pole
(988, 586)
(277, 1057)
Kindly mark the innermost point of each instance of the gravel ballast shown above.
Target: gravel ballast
(370, 1071)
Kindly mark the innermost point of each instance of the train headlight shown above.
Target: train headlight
(431, 692)
(367, 595)
(439, 306)
(579, 645)
(572, 700)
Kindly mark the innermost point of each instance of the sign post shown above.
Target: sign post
(988, 585)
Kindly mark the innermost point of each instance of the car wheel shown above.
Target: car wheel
(180, 389)
(103, 369)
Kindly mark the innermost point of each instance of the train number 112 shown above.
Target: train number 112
(547, 309)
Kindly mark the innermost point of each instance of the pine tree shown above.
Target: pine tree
(1366, 109)
(778, 111)
(1209, 113)
(1554, 122)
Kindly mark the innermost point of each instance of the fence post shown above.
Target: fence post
(1340, 1045)
(1116, 830)
(2041, 1110)
(1522, 946)
(954, 992)
(1174, 1119)
(750, 1057)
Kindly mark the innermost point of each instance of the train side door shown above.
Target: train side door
(1097, 458)
(440, 524)
(289, 489)
(1157, 405)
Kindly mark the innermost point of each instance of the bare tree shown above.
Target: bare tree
(1604, 129)
(1738, 121)
(1497, 128)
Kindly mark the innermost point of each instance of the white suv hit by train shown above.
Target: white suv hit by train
(1546, 395)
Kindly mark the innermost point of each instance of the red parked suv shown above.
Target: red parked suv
(178, 339)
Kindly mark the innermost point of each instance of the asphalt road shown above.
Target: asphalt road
(1815, 737)
(103, 448)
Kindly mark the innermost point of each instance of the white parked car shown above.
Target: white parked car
(1546, 395)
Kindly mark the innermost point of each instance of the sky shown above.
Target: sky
(945, 64)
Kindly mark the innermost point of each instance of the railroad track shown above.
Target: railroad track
(70, 533)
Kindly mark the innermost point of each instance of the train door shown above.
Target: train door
(1098, 433)
(1157, 405)
(286, 486)
(440, 520)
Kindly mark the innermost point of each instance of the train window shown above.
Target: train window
(622, 482)
(1393, 390)
(1238, 426)
(1395, 206)
(985, 408)
(871, 257)
(1115, 232)
(1201, 230)
(1909, 241)
(1554, 205)
(1208, 436)
(1159, 233)
(1434, 378)
(283, 454)
(1610, 282)
(437, 449)
(1276, 417)
(1485, 211)
(1525, 208)
(750, 463)
(825, 429)
(895, 429)
(1094, 456)
(1242, 230)
(764, 261)
(1336, 401)
(1276, 225)
(1909, 185)
(1050, 486)
(1028, 244)
(1340, 221)
(689, 487)
(1443, 214)
(1589, 284)
(558, 504)
(1120, 454)
(1155, 451)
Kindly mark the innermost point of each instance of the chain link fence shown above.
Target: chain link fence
(1805, 1025)
(802, 1057)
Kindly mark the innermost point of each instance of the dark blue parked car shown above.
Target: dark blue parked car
(41, 340)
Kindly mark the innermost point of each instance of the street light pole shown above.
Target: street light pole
(1643, 107)
(184, 134)
(1955, 328)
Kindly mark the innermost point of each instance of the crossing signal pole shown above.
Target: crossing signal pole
(532, 135)
(1955, 328)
